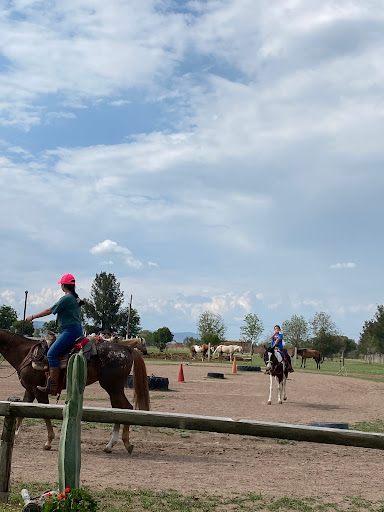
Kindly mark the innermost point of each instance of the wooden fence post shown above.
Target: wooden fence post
(6, 449)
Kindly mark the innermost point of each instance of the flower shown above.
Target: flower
(78, 500)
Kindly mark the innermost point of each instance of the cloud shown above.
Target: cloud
(342, 265)
(109, 246)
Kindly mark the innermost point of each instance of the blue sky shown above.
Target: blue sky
(223, 155)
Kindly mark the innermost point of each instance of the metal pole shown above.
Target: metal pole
(129, 316)
(25, 309)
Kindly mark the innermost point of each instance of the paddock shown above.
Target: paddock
(164, 459)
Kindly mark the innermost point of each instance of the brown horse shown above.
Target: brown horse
(111, 367)
(308, 353)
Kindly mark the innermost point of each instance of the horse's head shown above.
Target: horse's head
(269, 359)
(142, 346)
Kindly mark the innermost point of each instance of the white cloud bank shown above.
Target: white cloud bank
(342, 265)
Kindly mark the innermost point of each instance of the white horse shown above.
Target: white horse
(227, 349)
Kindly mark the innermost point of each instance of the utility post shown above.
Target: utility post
(129, 316)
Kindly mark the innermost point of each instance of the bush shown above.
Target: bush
(78, 500)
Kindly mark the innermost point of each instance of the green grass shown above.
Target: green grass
(139, 500)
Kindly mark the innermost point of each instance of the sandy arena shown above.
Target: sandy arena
(212, 463)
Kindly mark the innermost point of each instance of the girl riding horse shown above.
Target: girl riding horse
(277, 344)
(69, 319)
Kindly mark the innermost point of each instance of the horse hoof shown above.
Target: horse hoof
(280, 402)
(269, 402)
(107, 449)
(129, 448)
(285, 398)
(47, 447)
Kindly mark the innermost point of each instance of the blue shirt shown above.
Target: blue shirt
(277, 341)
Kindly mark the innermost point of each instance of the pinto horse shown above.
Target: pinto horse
(307, 353)
(276, 368)
(200, 349)
(111, 367)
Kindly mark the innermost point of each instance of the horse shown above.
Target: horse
(200, 349)
(276, 368)
(307, 353)
(110, 367)
(227, 349)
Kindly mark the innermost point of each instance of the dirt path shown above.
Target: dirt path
(191, 462)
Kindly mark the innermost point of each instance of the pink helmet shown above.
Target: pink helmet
(67, 279)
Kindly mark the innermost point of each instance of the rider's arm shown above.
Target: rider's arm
(45, 312)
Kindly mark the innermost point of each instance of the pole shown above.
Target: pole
(25, 309)
(129, 316)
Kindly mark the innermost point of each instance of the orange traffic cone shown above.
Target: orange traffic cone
(181, 374)
(234, 366)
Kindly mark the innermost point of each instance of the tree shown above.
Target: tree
(190, 340)
(27, 329)
(211, 323)
(322, 321)
(211, 338)
(372, 338)
(104, 307)
(52, 326)
(252, 330)
(295, 331)
(134, 323)
(161, 337)
(327, 344)
(7, 316)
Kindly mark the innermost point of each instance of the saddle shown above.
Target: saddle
(39, 353)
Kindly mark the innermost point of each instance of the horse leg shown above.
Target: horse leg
(270, 390)
(279, 390)
(119, 400)
(285, 385)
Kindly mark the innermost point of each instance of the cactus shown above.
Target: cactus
(70, 439)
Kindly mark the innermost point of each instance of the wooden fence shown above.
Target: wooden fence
(11, 410)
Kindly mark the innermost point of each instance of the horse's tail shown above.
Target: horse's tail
(140, 382)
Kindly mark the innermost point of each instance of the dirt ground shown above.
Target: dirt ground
(191, 462)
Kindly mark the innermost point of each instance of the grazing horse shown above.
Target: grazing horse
(111, 367)
(276, 368)
(227, 349)
(307, 353)
(200, 349)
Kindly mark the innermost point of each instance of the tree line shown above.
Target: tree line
(103, 311)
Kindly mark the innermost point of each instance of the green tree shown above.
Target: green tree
(295, 331)
(104, 307)
(7, 316)
(252, 329)
(134, 323)
(161, 337)
(327, 344)
(372, 338)
(211, 338)
(190, 340)
(211, 323)
(52, 326)
(26, 329)
(322, 321)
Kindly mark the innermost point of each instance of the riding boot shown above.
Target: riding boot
(52, 386)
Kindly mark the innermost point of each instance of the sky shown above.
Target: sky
(221, 155)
